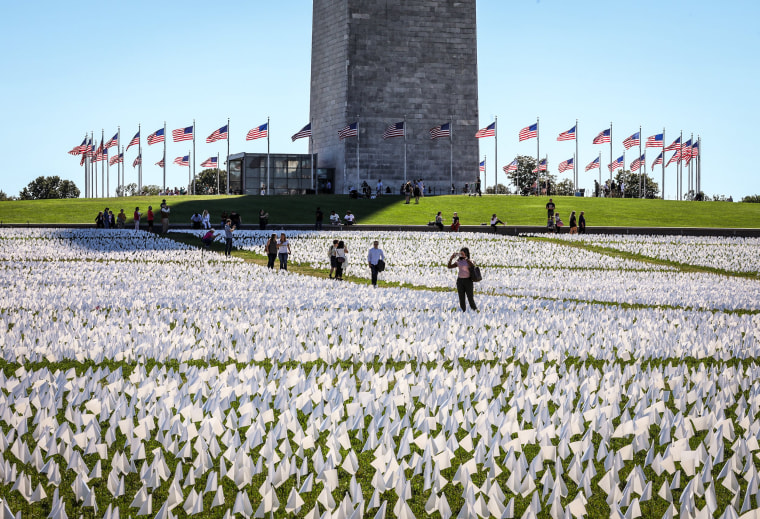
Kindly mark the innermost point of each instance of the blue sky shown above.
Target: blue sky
(71, 68)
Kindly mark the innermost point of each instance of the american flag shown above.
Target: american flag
(594, 164)
(529, 132)
(541, 166)
(101, 153)
(675, 158)
(137, 162)
(211, 162)
(633, 140)
(183, 161)
(693, 152)
(394, 130)
(686, 151)
(658, 160)
(603, 136)
(482, 166)
(156, 137)
(218, 135)
(352, 130)
(488, 131)
(638, 163)
(303, 132)
(113, 141)
(512, 166)
(617, 164)
(443, 130)
(676, 145)
(160, 163)
(258, 133)
(655, 141)
(565, 165)
(135, 140)
(116, 159)
(78, 150)
(183, 134)
(569, 135)
(89, 149)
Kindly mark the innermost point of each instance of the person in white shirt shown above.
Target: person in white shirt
(334, 218)
(340, 257)
(379, 188)
(283, 250)
(374, 256)
(349, 218)
(206, 219)
(495, 221)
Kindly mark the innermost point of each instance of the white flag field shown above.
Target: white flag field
(602, 376)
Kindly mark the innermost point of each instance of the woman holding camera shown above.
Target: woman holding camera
(461, 261)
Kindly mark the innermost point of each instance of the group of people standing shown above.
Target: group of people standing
(554, 221)
(105, 219)
(338, 256)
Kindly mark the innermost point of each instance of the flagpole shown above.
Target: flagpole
(311, 153)
(358, 143)
(451, 150)
(680, 168)
(495, 153)
(190, 181)
(663, 163)
(600, 169)
(577, 166)
(218, 172)
(108, 172)
(268, 132)
(610, 155)
(538, 155)
(93, 168)
(641, 177)
(404, 148)
(227, 163)
(119, 180)
(102, 169)
(194, 132)
(165, 137)
(139, 166)
(83, 162)
(699, 163)
(691, 168)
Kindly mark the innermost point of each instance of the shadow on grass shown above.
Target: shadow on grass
(281, 209)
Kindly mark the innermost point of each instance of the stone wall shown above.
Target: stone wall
(385, 61)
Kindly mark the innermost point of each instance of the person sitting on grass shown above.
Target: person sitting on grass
(334, 218)
(349, 219)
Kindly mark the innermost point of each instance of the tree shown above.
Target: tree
(752, 199)
(524, 178)
(151, 189)
(563, 188)
(205, 182)
(4, 197)
(43, 188)
(128, 190)
(501, 189)
(631, 180)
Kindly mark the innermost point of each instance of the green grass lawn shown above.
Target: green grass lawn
(391, 210)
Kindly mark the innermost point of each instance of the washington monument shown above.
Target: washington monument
(380, 62)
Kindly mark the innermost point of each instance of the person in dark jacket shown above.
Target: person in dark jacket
(582, 224)
(573, 224)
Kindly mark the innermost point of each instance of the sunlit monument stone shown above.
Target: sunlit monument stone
(383, 62)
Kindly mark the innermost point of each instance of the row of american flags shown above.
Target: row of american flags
(682, 151)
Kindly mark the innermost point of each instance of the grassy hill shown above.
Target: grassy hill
(390, 210)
